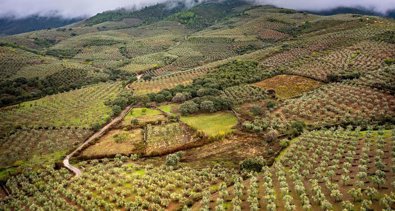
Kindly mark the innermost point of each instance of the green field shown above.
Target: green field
(212, 124)
(233, 106)
(142, 115)
(169, 108)
(140, 112)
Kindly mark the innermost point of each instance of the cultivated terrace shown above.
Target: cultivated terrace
(220, 106)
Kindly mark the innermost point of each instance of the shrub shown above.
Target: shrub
(116, 109)
(296, 128)
(256, 110)
(134, 121)
(389, 61)
(179, 98)
(119, 138)
(253, 164)
(271, 105)
(343, 76)
(284, 143)
(271, 136)
(207, 106)
(189, 107)
(160, 98)
(172, 160)
(147, 77)
(96, 127)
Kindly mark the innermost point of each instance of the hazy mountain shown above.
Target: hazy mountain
(10, 26)
(358, 10)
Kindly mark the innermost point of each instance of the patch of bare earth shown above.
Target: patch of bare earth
(231, 151)
(289, 86)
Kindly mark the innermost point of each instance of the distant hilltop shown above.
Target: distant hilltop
(11, 26)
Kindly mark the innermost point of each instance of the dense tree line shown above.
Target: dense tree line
(388, 36)
(205, 104)
(203, 93)
(343, 76)
(62, 53)
(147, 14)
(23, 89)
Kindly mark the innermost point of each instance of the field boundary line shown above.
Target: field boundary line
(95, 136)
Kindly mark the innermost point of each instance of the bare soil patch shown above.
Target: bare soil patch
(116, 142)
(230, 151)
(289, 86)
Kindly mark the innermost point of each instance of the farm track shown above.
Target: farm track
(98, 134)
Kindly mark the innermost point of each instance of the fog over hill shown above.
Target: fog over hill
(86, 8)
(18, 16)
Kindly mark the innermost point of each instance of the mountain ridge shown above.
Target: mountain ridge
(11, 26)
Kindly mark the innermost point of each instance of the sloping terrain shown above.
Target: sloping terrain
(233, 107)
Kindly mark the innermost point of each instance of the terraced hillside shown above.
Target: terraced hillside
(224, 105)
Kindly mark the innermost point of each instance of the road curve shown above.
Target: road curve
(98, 134)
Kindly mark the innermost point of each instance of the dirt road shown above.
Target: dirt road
(96, 135)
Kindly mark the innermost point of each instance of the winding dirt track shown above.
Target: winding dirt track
(96, 135)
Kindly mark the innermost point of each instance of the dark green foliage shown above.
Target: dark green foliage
(14, 45)
(160, 98)
(189, 107)
(116, 109)
(180, 98)
(284, 143)
(295, 129)
(246, 49)
(100, 42)
(62, 53)
(124, 99)
(147, 14)
(271, 105)
(389, 61)
(172, 160)
(343, 76)
(207, 14)
(253, 164)
(233, 74)
(22, 89)
(388, 36)
(121, 75)
(134, 121)
(186, 17)
(295, 31)
(147, 77)
(124, 52)
(208, 87)
(69, 79)
(9, 26)
(287, 11)
(274, 20)
(44, 43)
(256, 110)
(96, 127)
(121, 102)
(207, 106)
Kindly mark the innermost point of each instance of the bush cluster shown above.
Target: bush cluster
(208, 104)
(253, 164)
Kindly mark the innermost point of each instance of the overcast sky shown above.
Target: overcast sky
(78, 8)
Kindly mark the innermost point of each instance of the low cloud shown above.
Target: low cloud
(66, 8)
(86, 8)
(380, 6)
